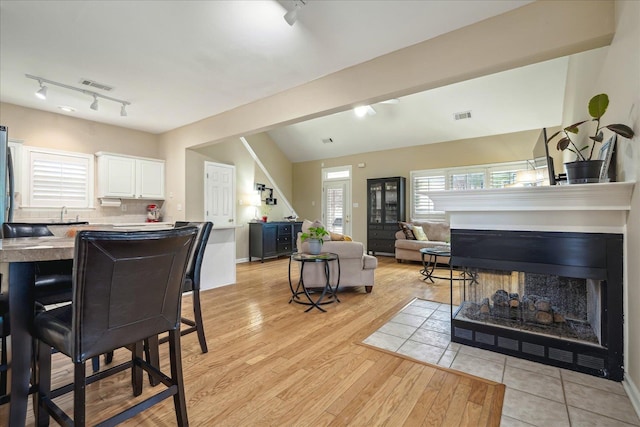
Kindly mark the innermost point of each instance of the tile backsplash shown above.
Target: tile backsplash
(134, 211)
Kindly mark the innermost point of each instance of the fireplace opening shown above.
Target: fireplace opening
(548, 305)
(550, 297)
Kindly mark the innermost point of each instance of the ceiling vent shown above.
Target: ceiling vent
(327, 140)
(463, 115)
(96, 85)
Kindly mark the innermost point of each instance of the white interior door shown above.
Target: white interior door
(219, 197)
(336, 196)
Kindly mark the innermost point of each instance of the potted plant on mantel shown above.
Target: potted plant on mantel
(315, 237)
(584, 169)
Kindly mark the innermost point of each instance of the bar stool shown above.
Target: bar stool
(4, 333)
(127, 286)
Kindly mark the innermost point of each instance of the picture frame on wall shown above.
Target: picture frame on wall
(606, 154)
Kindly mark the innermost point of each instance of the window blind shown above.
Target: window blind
(59, 179)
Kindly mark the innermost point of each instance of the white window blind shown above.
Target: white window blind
(423, 206)
(462, 178)
(58, 179)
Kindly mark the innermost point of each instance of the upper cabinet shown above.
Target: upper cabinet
(129, 177)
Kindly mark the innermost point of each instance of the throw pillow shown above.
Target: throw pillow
(419, 233)
(336, 236)
(407, 230)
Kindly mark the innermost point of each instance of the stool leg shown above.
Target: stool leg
(197, 312)
(43, 380)
(136, 370)
(79, 393)
(175, 357)
(152, 355)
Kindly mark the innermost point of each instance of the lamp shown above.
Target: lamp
(292, 16)
(42, 93)
(256, 202)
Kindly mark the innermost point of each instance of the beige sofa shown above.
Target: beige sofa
(356, 268)
(438, 234)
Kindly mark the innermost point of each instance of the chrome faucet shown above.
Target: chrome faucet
(62, 212)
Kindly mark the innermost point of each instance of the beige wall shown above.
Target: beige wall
(307, 179)
(275, 162)
(57, 131)
(232, 152)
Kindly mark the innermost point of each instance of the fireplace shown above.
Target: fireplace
(550, 297)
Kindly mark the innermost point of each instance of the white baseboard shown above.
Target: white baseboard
(241, 260)
(633, 392)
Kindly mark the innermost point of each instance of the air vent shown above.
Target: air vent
(327, 140)
(463, 115)
(96, 85)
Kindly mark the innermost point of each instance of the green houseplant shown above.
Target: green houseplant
(315, 236)
(584, 155)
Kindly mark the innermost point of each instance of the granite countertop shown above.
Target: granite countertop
(26, 249)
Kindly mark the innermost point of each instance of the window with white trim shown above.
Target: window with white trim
(461, 178)
(57, 178)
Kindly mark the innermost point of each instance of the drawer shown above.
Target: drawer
(284, 238)
(284, 229)
(284, 247)
(382, 234)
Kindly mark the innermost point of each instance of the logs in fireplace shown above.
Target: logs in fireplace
(550, 297)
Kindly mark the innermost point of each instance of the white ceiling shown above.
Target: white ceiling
(181, 61)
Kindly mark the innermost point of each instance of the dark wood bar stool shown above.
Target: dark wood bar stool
(127, 286)
(4, 333)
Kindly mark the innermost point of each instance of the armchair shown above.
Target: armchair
(356, 267)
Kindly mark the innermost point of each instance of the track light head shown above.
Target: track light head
(123, 110)
(42, 92)
(292, 16)
(94, 104)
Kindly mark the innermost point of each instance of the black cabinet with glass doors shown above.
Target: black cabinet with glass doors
(385, 208)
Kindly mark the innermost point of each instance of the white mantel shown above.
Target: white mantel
(597, 208)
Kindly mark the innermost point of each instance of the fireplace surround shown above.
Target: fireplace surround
(568, 236)
(550, 297)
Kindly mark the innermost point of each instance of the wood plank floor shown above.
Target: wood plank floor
(270, 363)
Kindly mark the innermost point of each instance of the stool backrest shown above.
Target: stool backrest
(127, 286)
(24, 229)
(197, 252)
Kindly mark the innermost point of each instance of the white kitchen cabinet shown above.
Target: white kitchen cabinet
(128, 177)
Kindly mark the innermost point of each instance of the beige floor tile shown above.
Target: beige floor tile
(512, 422)
(437, 325)
(424, 303)
(534, 410)
(398, 329)
(591, 381)
(447, 358)
(385, 341)
(441, 315)
(484, 354)
(534, 383)
(601, 402)
(408, 319)
(426, 336)
(582, 418)
(424, 352)
(418, 311)
(479, 367)
(528, 365)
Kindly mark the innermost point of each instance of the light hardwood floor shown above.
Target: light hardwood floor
(270, 363)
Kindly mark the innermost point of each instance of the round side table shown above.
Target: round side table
(328, 295)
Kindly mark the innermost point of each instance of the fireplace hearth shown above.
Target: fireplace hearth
(550, 297)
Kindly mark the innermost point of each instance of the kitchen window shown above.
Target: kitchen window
(57, 178)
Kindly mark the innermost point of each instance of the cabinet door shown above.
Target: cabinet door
(391, 202)
(150, 179)
(375, 202)
(269, 240)
(117, 177)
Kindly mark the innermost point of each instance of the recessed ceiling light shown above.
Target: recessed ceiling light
(66, 109)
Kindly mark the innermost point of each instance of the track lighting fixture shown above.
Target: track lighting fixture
(42, 93)
(94, 104)
(292, 16)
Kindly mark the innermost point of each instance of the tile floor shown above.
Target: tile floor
(536, 394)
